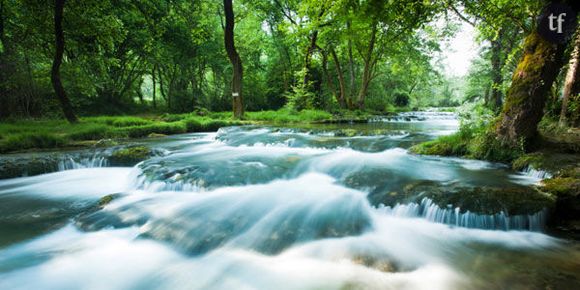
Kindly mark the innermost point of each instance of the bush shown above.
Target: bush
(401, 99)
(300, 98)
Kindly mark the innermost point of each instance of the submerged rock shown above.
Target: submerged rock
(567, 210)
(27, 166)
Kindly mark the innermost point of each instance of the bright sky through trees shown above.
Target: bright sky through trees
(461, 50)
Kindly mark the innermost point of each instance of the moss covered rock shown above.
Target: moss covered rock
(514, 200)
(346, 133)
(130, 156)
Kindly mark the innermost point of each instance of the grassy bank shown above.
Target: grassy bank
(21, 135)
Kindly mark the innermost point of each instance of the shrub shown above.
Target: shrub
(300, 98)
(401, 99)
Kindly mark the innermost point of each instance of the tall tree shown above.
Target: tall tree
(237, 79)
(571, 79)
(55, 72)
(523, 109)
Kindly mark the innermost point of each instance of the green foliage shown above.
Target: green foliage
(402, 99)
(476, 139)
(300, 97)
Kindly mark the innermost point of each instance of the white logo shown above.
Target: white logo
(559, 20)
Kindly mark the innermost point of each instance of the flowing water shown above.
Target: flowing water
(280, 208)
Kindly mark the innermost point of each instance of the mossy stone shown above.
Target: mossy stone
(130, 156)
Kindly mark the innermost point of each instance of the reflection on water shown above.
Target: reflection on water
(279, 208)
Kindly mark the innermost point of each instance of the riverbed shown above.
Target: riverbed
(335, 206)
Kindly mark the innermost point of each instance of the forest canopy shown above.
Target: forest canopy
(179, 56)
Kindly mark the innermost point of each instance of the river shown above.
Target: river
(338, 206)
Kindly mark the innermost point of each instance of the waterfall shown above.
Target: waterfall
(68, 162)
(540, 174)
(428, 210)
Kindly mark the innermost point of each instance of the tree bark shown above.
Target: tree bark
(162, 88)
(329, 81)
(154, 88)
(67, 108)
(308, 56)
(237, 79)
(341, 97)
(367, 70)
(351, 87)
(571, 79)
(526, 97)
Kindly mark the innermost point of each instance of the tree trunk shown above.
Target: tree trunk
(571, 79)
(4, 110)
(526, 97)
(162, 88)
(342, 88)
(496, 78)
(367, 71)
(351, 87)
(308, 56)
(55, 72)
(237, 79)
(329, 81)
(154, 89)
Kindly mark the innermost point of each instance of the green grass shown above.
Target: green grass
(119, 121)
(45, 133)
(90, 131)
(288, 116)
(21, 141)
(475, 143)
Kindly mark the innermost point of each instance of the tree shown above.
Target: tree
(67, 108)
(571, 81)
(236, 61)
(527, 95)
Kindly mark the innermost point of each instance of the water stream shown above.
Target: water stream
(253, 207)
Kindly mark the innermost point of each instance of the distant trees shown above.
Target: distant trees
(179, 56)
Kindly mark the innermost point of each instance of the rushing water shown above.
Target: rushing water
(279, 208)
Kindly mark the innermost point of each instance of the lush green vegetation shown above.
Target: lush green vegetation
(23, 135)
(26, 134)
(180, 63)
